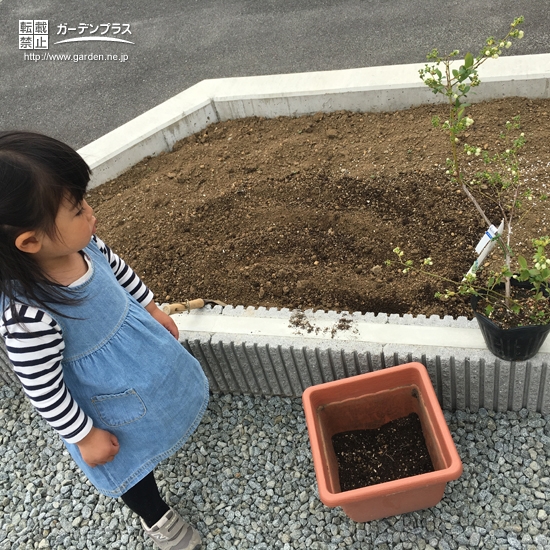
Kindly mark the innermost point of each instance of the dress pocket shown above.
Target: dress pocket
(118, 409)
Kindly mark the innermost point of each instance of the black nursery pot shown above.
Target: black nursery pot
(513, 344)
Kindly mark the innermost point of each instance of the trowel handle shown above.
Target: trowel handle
(180, 308)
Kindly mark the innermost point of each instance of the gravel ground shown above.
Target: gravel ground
(246, 480)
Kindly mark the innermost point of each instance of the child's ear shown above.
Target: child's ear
(29, 242)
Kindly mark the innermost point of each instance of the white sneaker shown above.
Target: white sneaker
(171, 532)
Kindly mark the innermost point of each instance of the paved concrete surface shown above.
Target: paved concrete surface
(177, 43)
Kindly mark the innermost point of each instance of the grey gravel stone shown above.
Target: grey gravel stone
(246, 481)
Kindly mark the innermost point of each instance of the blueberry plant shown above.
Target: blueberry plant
(498, 182)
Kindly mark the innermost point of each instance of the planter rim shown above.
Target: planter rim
(511, 330)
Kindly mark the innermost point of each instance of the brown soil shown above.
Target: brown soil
(303, 212)
(393, 451)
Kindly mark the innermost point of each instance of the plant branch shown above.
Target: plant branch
(476, 204)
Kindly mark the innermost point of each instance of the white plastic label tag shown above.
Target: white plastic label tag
(489, 235)
(486, 245)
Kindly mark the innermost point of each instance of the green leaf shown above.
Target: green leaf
(468, 60)
(522, 262)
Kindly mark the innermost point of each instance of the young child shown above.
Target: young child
(96, 357)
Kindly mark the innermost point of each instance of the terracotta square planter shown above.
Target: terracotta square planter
(368, 401)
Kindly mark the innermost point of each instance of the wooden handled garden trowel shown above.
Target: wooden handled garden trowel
(188, 305)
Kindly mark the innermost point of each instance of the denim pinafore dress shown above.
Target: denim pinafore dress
(130, 375)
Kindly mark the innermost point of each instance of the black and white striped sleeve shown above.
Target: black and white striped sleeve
(34, 344)
(125, 274)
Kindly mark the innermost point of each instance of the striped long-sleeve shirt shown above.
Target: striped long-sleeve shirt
(35, 347)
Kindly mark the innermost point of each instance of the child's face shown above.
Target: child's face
(75, 225)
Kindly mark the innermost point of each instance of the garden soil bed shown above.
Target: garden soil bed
(303, 212)
(393, 451)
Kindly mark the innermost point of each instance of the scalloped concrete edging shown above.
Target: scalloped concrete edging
(279, 352)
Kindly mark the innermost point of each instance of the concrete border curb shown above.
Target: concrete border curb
(265, 352)
(387, 88)
(279, 352)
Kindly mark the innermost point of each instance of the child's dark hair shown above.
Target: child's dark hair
(37, 173)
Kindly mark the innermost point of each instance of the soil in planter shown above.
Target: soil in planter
(303, 212)
(393, 451)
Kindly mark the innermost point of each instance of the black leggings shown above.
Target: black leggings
(144, 499)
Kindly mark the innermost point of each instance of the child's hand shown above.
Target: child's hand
(165, 320)
(98, 447)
